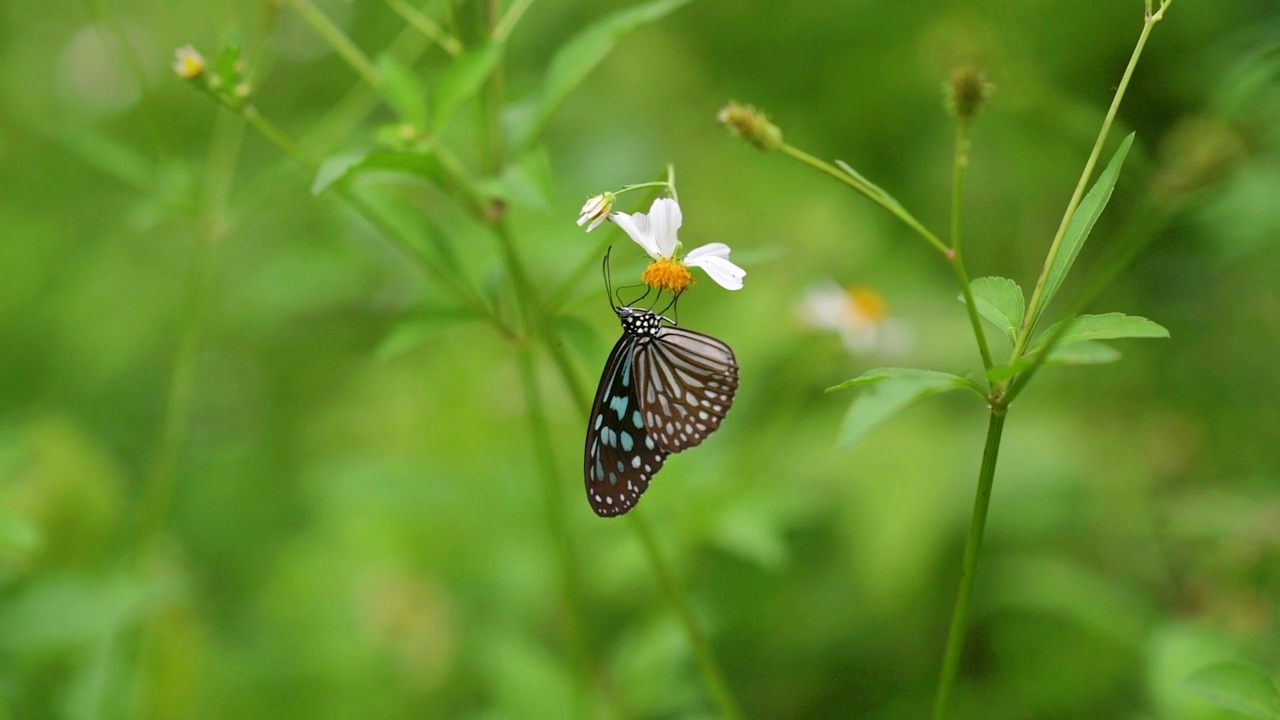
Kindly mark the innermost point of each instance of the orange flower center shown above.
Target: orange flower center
(667, 274)
(868, 305)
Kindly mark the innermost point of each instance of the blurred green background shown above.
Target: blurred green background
(246, 470)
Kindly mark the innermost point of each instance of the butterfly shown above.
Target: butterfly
(664, 389)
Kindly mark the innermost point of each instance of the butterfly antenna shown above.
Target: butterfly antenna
(673, 304)
(608, 280)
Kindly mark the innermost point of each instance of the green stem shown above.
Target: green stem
(959, 164)
(495, 152)
(894, 208)
(711, 673)
(224, 148)
(571, 578)
(508, 22)
(426, 26)
(339, 41)
(1033, 306)
(977, 525)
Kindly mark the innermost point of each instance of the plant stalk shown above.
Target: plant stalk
(958, 166)
(977, 525)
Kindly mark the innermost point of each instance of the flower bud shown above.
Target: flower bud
(750, 124)
(966, 91)
(188, 63)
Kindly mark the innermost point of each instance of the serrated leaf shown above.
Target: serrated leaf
(1238, 687)
(578, 57)
(339, 168)
(462, 81)
(1000, 301)
(1107, 326)
(403, 91)
(1081, 224)
(889, 391)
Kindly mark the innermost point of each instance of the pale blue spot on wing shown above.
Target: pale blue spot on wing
(636, 419)
(627, 442)
(619, 405)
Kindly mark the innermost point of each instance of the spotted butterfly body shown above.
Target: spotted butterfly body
(664, 389)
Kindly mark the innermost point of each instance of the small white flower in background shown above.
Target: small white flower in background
(596, 211)
(188, 63)
(655, 231)
(858, 315)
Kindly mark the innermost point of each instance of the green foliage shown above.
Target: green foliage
(272, 454)
(578, 57)
(462, 81)
(887, 391)
(1081, 224)
(1000, 301)
(1241, 688)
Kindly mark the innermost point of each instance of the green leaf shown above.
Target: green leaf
(1086, 352)
(1000, 301)
(413, 334)
(403, 91)
(1108, 326)
(462, 81)
(526, 182)
(891, 390)
(872, 188)
(577, 58)
(339, 168)
(1081, 224)
(1235, 686)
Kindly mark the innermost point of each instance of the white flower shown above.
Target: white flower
(595, 211)
(858, 316)
(655, 231)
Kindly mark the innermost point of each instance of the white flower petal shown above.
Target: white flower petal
(637, 227)
(665, 218)
(714, 259)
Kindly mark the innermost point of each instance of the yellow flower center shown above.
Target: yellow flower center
(869, 305)
(667, 274)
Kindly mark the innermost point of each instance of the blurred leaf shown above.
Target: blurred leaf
(1081, 224)
(417, 227)
(891, 390)
(1242, 688)
(461, 81)
(525, 182)
(1085, 352)
(119, 160)
(1000, 301)
(339, 168)
(578, 57)
(581, 336)
(752, 532)
(413, 334)
(226, 67)
(403, 91)
(1108, 326)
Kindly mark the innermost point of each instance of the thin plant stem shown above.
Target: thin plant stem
(495, 150)
(508, 23)
(224, 148)
(896, 210)
(972, 547)
(1034, 308)
(1001, 398)
(339, 41)
(571, 577)
(711, 673)
(959, 164)
(426, 26)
